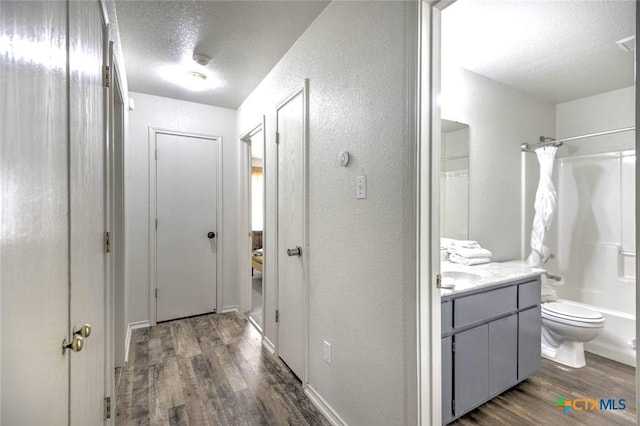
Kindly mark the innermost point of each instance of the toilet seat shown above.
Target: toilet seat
(571, 314)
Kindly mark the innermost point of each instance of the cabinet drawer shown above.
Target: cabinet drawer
(446, 314)
(484, 306)
(529, 294)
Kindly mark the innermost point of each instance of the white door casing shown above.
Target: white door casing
(291, 122)
(117, 114)
(88, 210)
(250, 139)
(186, 207)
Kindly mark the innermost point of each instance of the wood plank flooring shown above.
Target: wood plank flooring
(532, 401)
(208, 370)
(212, 370)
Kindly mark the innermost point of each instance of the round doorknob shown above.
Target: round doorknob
(85, 330)
(211, 235)
(75, 345)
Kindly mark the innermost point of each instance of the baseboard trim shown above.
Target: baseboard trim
(268, 345)
(324, 407)
(227, 309)
(127, 339)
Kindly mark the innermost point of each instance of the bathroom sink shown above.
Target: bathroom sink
(460, 277)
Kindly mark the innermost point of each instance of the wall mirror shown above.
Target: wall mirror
(454, 180)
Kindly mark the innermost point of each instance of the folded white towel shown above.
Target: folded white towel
(470, 252)
(465, 243)
(446, 242)
(454, 258)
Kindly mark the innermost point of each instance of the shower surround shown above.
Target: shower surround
(592, 238)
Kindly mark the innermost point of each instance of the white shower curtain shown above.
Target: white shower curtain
(545, 206)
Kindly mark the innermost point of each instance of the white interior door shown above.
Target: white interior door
(88, 210)
(187, 234)
(34, 250)
(291, 181)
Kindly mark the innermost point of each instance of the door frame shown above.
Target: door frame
(247, 249)
(304, 89)
(153, 279)
(429, 364)
(119, 291)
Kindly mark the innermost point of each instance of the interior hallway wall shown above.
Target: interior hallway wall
(500, 119)
(355, 57)
(171, 114)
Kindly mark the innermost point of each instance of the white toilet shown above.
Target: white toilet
(565, 328)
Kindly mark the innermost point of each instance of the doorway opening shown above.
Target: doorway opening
(485, 108)
(255, 220)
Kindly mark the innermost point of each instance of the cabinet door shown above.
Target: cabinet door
(529, 342)
(471, 363)
(503, 354)
(447, 372)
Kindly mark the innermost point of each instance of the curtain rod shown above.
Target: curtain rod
(547, 141)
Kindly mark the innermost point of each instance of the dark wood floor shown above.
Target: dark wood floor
(208, 370)
(532, 401)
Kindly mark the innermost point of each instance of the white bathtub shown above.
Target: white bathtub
(614, 342)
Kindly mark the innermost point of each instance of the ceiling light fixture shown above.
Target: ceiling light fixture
(187, 77)
(198, 75)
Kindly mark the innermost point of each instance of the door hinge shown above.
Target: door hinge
(438, 281)
(107, 242)
(453, 346)
(277, 137)
(156, 224)
(277, 316)
(107, 408)
(156, 293)
(453, 406)
(106, 76)
(156, 154)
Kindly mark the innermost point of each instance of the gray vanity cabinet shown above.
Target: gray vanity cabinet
(490, 342)
(503, 354)
(471, 366)
(447, 386)
(529, 339)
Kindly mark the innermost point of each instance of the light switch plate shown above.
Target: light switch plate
(326, 349)
(361, 187)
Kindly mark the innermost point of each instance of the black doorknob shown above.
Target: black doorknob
(211, 235)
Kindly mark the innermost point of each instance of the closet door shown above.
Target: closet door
(88, 209)
(34, 250)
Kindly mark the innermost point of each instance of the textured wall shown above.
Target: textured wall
(606, 111)
(500, 120)
(164, 113)
(354, 56)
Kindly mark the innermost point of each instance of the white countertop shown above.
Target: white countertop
(489, 274)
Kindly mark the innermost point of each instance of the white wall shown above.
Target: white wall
(360, 277)
(500, 119)
(606, 111)
(171, 114)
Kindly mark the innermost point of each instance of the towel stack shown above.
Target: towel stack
(444, 248)
(467, 252)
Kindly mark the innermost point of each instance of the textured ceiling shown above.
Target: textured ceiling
(245, 39)
(553, 50)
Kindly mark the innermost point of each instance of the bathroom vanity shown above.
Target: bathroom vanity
(490, 333)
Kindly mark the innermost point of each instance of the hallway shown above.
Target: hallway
(208, 370)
